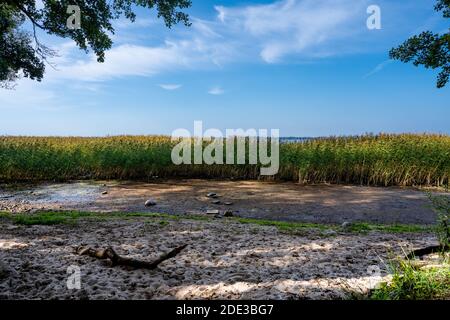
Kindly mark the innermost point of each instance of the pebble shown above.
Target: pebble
(329, 232)
(4, 270)
(228, 213)
(150, 203)
(346, 225)
(212, 195)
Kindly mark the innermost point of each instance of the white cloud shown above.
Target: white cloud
(170, 87)
(133, 60)
(216, 91)
(31, 95)
(124, 23)
(305, 28)
(272, 32)
(378, 68)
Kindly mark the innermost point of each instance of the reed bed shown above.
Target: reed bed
(378, 160)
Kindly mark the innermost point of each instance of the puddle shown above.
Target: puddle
(63, 193)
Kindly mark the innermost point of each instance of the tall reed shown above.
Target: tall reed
(381, 160)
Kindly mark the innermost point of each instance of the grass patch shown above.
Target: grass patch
(284, 225)
(409, 283)
(362, 227)
(355, 227)
(61, 217)
(45, 218)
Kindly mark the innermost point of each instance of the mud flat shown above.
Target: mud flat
(275, 201)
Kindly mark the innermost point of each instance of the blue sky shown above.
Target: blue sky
(306, 67)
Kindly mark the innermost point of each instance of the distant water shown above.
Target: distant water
(295, 139)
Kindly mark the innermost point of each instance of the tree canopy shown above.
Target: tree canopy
(21, 52)
(428, 49)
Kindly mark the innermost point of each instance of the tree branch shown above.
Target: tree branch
(115, 259)
(25, 12)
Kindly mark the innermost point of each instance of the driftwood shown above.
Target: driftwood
(115, 259)
(427, 250)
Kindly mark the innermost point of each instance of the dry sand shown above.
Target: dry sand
(224, 259)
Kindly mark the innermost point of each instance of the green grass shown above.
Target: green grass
(64, 217)
(409, 283)
(362, 227)
(359, 227)
(53, 217)
(380, 160)
(45, 218)
(284, 225)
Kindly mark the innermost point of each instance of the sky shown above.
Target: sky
(306, 67)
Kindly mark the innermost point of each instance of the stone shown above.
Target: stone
(215, 202)
(212, 195)
(329, 232)
(212, 211)
(346, 225)
(4, 270)
(150, 203)
(228, 203)
(59, 243)
(228, 213)
(105, 192)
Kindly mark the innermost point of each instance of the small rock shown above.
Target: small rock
(4, 270)
(150, 203)
(329, 232)
(59, 243)
(228, 213)
(105, 192)
(228, 203)
(346, 225)
(212, 211)
(212, 195)
(215, 202)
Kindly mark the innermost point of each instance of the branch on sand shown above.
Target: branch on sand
(427, 250)
(115, 259)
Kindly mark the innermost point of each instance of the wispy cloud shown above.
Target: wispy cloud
(170, 87)
(132, 60)
(216, 91)
(378, 68)
(304, 27)
(271, 32)
(138, 23)
(32, 95)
